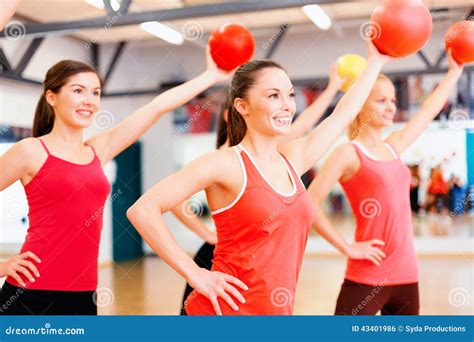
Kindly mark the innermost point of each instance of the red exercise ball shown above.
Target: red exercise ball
(231, 45)
(401, 27)
(460, 39)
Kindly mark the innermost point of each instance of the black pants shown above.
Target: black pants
(203, 258)
(18, 301)
(361, 299)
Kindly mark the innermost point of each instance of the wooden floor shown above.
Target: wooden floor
(149, 287)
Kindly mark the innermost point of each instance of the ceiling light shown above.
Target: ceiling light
(318, 16)
(163, 32)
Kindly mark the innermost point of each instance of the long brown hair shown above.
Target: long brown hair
(56, 77)
(222, 124)
(244, 78)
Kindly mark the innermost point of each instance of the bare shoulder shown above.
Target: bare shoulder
(345, 151)
(221, 162)
(28, 149)
(344, 161)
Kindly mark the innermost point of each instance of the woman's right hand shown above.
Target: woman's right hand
(213, 284)
(367, 250)
(373, 54)
(20, 265)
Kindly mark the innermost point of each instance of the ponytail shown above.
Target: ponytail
(236, 126)
(44, 118)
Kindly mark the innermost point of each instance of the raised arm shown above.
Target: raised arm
(146, 216)
(403, 138)
(335, 168)
(113, 141)
(311, 115)
(7, 10)
(306, 151)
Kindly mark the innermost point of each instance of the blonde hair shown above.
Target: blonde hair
(356, 126)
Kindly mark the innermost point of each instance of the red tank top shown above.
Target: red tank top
(66, 201)
(379, 194)
(262, 236)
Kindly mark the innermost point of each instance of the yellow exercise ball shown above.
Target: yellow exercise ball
(350, 66)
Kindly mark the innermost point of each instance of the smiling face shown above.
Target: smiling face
(269, 106)
(381, 105)
(77, 101)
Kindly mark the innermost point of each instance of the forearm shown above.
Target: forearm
(324, 227)
(351, 103)
(180, 95)
(311, 115)
(436, 101)
(152, 228)
(192, 221)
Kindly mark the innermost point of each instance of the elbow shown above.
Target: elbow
(133, 213)
(142, 211)
(137, 212)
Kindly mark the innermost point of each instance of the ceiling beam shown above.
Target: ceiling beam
(123, 19)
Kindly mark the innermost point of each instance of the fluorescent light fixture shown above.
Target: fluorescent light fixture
(318, 16)
(163, 32)
(100, 4)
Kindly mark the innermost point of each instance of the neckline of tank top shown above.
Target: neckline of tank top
(72, 163)
(67, 161)
(293, 182)
(370, 156)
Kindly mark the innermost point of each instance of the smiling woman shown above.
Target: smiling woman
(66, 188)
(254, 169)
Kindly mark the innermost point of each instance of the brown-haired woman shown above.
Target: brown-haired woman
(302, 125)
(261, 210)
(382, 263)
(65, 185)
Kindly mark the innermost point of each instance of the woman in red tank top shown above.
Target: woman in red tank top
(261, 209)
(382, 264)
(302, 125)
(56, 271)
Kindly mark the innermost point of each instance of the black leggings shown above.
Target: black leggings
(361, 299)
(203, 258)
(18, 301)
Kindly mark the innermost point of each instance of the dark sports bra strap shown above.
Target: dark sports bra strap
(44, 145)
